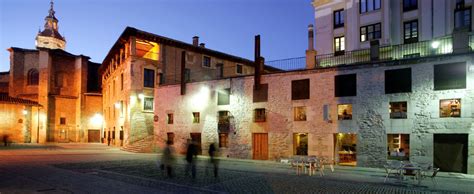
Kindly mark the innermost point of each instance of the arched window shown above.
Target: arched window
(33, 77)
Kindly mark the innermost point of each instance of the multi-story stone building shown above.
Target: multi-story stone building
(399, 91)
(65, 86)
(138, 64)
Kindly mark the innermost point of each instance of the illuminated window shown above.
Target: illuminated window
(259, 115)
(196, 117)
(398, 81)
(33, 77)
(223, 97)
(170, 118)
(369, 5)
(299, 113)
(223, 139)
(62, 120)
(239, 69)
(300, 89)
(410, 32)
(450, 76)
(206, 61)
(147, 49)
(300, 144)
(148, 104)
(398, 146)
(345, 85)
(344, 111)
(398, 110)
(338, 17)
(450, 108)
(370, 32)
(148, 78)
(339, 46)
(170, 138)
(409, 5)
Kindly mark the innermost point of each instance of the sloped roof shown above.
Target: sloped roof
(6, 99)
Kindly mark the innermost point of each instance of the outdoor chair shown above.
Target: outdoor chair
(393, 167)
(431, 173)
(297, 162)
(326, 161)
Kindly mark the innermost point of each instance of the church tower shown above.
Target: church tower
(50, 37)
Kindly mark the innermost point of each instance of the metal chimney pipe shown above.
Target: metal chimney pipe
(257, 75)
(183, 72)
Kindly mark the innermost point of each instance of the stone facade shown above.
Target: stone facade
(63, 87)
(370, 121)
(123, 75)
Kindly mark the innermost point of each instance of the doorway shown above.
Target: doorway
(450, 152)
(260, 146)
(345, 150)
(196, 138)
(300, 144)
(93, 136)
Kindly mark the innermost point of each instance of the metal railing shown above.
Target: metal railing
(439, 46)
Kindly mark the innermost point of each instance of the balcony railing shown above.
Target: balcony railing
(439, 46)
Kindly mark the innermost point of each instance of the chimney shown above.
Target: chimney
(258, 58)
(310, 53)
(310, 37)
(196, 40)
(202, 45)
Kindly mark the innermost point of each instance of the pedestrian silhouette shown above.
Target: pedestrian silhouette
(5, 140)
(191, 156)
(212, 159)
(167, 159)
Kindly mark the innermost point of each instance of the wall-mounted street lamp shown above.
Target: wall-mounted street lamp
(435, 44)
(25, 112)
(117, 105)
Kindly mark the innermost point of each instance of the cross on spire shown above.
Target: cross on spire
(51, 9)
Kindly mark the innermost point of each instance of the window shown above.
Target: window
(206, 61)
(369, 5)
(410, 31)
(300, 89)
(261, 95)
(450, 108)
(170, 118)
(300, 143)
(223, 137)
(450, 76)
(370, 32)
(409, 5)
(398, 110)
(259, 115)
(344, 112)
(33, 77)
(462, 18)
(223, 125)
(398, 81)
(339, 46)
(148, 104)
(223, 97)
(196, 117)
(149, 78)
(187, 75)
(121, 133)
(338, 18)
(299, 113)
(398, 146)
(345, 85)
(62, 120)
(170, 138)
(239, 69)
(121, 82)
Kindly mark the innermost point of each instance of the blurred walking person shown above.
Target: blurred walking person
(167, 159)
(191, 156)
(212, 159)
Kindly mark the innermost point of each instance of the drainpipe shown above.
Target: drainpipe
(183, 70)
(257, 74)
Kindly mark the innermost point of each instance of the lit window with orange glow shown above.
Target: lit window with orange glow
(147, 49)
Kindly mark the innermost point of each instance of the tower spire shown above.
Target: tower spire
(50, 37)
(51, 9)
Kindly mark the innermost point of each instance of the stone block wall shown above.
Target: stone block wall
(370, 122)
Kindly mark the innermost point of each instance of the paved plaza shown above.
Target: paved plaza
(95, 168)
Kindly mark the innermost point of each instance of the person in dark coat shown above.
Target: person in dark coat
(212, 158)
(191, 156)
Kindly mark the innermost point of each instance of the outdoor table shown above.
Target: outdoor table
(415, 169)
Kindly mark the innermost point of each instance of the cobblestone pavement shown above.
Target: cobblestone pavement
(85, 168)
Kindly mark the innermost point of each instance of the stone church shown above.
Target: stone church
(49, 94)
